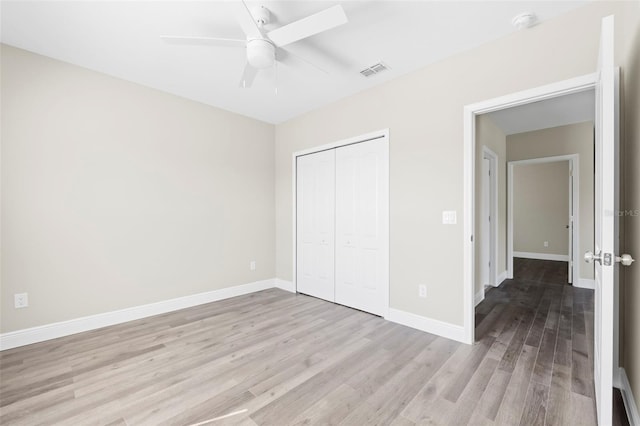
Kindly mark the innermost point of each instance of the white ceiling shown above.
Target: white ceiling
(120, 38)
(554, 112)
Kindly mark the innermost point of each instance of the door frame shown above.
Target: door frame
(574, 161)
(553, 90)
(494, 214)
(378, 134)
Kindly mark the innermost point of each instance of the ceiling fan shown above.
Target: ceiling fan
(264, 48)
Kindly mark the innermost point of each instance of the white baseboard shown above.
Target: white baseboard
(629, 401)
(541, 256)
(617, 377)
(78, 325)
(284, 285)
(585, 283)
(501, 277)
(444, 329)
(479, 297)
(65, 328)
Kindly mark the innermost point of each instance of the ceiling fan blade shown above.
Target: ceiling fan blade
(248, 75)
(285, 56)
(306, 27)
(209, 41)
(246, 21)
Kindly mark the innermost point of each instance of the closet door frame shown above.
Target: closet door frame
(377, 135)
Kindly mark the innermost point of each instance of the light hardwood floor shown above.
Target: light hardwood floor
(292, 359)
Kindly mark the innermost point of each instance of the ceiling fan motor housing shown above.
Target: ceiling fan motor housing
(261, 15)
(260, 53)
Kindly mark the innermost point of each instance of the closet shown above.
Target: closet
(342, 225)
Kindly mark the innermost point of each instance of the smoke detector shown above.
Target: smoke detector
(524, 20)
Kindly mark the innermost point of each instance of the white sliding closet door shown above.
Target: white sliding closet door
(316, 224)
(362, 254)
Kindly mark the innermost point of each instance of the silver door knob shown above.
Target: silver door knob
(589, 257)
(625, 259)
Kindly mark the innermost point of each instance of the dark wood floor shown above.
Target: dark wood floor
(547, 326)
(276, 358)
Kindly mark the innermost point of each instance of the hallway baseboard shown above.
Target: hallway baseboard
(541, 256)
(585, 283)
(479, 297)
(628, 399)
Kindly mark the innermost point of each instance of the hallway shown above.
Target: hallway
(545, 328)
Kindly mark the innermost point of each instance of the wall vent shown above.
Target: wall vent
(374, 69)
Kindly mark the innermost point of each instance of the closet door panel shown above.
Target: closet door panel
(315, 211)
(361, 209)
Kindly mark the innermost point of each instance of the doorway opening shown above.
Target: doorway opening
(488, 222)
(543, 208)
(479, 132)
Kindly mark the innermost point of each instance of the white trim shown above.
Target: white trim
(379, 134)
(284, 285)
(574, 165)
(617, 377)
(585, 283)
(494, 213)
(428, 325)
(479, 297)
(78, 325)
(470, 112)
(627, 397)
(503, 276)
(541, 256)
(382, 133)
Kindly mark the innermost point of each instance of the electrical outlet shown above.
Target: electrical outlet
(546, 243)
(21, 300)
(252, 265)
(422, 290)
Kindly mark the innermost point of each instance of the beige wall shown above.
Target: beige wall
(564, 140)
(115, 195)
(424, 111)
(491, 136)
(630, 241)
(541, 208)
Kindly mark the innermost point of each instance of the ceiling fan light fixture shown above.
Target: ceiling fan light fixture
(261, 53)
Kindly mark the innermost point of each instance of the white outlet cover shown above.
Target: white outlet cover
(20, 300)
(252, 265)
(422, 290)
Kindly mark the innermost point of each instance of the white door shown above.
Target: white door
(570, 224)
(485, 250)
(606, 125)
(315, 233)
(362, 208)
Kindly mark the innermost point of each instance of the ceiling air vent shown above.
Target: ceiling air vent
(374, 69)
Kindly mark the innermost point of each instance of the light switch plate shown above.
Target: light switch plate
(449, 217)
